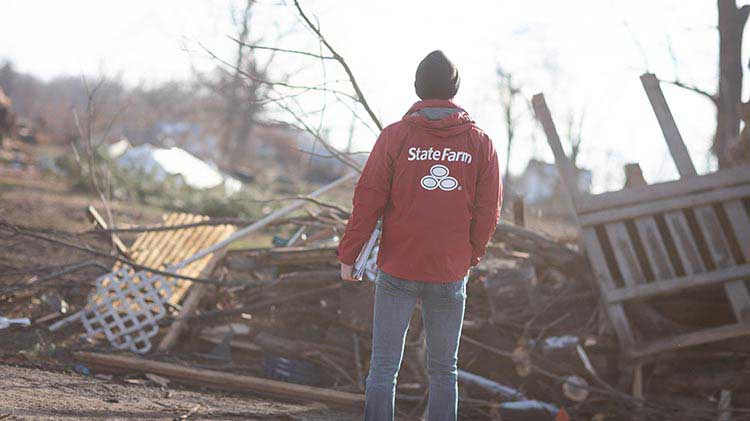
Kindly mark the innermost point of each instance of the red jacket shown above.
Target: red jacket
(434, 179)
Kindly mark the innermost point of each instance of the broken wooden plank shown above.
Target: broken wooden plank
(671, 133)
(665, 205)
(739, 221)
(687, 249)
(684, 340)
(564, 166)
(222, 380)
(656, 252)
(670, 286)
(724, 178)
(180, 324)
(615, 311)
(96, 218)
(721, 255)
(624, 252)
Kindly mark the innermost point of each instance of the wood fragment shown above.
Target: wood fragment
(97, 219)
(211, 378)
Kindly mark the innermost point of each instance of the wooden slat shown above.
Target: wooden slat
(740, 222)
(158, 246)
(656, 251)
(672, 136)
(671, 286)
(690, 339)
(169, 250)
(721, 254)
(152, 242)
(714, 235)
(665, 205)
(175, 248)
(603, 277)
(204, 237)
(627, 260)
(564, 166)
(684, 242)
(142, 242)
(98, 220)
(198, 238)
(660, 191)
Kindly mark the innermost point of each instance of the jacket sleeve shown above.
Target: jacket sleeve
(370, 198)
(487, 203)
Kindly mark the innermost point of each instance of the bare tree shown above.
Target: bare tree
(727, 99)
(510, 94)
(574, 134)
(732, 22)
(241, 96)
(284, 94)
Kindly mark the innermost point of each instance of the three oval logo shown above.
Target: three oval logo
(439, 178)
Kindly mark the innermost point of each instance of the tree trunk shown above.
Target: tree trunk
(731, 25)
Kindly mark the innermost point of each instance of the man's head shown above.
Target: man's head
(437, 77)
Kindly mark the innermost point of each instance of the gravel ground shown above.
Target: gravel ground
(35, 394)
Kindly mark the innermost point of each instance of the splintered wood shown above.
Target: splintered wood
(158, 249)
(664, 239)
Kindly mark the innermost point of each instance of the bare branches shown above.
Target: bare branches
(270, 83)
(712, 97)
(333, 151)
(281, 50)
(360, 96)
(27, 232)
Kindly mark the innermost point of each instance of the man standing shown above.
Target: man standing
(433, 178)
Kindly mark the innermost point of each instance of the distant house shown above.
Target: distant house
(540, 182)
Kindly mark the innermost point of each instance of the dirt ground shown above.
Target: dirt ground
(37, 376)
(35, 394)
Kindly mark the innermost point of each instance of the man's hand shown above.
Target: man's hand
(346, 273)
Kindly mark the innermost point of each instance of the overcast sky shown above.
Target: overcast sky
(585, 56)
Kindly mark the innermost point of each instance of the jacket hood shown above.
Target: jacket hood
(439, 117)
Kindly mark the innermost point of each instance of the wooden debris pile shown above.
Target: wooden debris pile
(536, 342)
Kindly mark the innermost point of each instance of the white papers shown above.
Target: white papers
(361, 264)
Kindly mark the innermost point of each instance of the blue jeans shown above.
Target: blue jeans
(443, 314)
